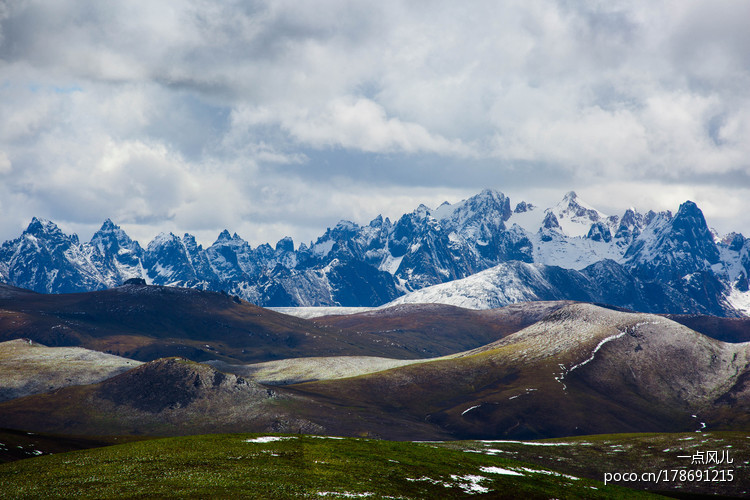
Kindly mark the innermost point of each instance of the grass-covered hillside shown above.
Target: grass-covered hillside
(268, 467)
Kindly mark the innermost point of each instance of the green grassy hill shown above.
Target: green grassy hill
(280, 467)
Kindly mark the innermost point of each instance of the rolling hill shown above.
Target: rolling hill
(31, 368)
(582, 369)
(147, 322)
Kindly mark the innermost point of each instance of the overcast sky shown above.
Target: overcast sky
(280, 118)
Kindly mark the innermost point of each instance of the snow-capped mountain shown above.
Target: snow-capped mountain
(44, 259)
(478, 252)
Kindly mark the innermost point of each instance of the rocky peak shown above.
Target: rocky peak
(690, 228)
(223, 237)
(734, 241)
(43, 228)
(599, 232)
(550, 221)
(523, 207)
(670, 248)
(171, 383)
(285, 244)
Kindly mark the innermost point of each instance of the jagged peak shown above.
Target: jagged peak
(223, 236)
(491, 193)
(285, 244)
(380, 222)
(108, 226)
(163, 238)
(689, 208)
(523, 207)
(488, 200)
(346, 225)
(571, 202)
(734, 241)
(550, 221)
(422, 210)
(189, 241)
(39, 225)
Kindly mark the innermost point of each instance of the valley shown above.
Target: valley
(142, 361)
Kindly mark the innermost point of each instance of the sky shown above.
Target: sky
(278, 118)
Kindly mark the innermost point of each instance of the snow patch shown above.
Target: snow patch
(316, 312)
(739, 300)
(469, 409)
(267, 439)
(530, 443)
(470, 484)
(596, 349)
(344, 494)
(500, 470)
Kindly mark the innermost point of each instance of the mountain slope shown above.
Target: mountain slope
(166, 396)
(582, 370)
(605, 282)
(433, 329)
(146, 322)
(30, 368)
(174, 396)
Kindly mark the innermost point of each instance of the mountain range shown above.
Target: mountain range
(481, 252)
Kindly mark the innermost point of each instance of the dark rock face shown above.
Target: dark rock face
(599, 232)
(680, 246)
(171, 383)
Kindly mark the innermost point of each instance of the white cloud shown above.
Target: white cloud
(5, 164)
(201, 115)
(361, 124)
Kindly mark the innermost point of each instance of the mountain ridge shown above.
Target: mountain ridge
(674, 261)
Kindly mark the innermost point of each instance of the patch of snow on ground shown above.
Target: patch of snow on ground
(267, 439)
(391, 264)
(500, 470)
(316, 312)
(549, 472)
(470, 483)
(469, 409)
(739, 300)
(344, 494)
(529, 443)
(596, 349)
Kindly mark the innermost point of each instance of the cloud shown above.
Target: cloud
(5, 164)
(200, 115)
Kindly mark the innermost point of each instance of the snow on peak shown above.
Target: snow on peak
(39, 226)
(569, 197)
(162, 239)
(575, 216)
(223, 236)
(109, 226)
(490, 206)
(422, 211)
